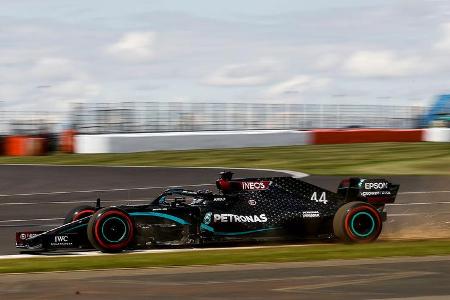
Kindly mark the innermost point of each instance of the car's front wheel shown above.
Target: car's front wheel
(110, 230)
(357, 222)
(78, 212)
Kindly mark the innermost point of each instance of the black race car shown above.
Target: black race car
(249, 209)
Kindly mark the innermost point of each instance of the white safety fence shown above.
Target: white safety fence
(437, 135)
(139, 142)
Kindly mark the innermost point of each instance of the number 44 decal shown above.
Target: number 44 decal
(322, 198)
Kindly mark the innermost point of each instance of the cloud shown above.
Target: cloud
(44, 82)
(296, 55)
(55, 69)
(328, 61)
(134, 47)
(444, 42)
(73, 89)
(297, 85)
(382, 64)
(243, 74)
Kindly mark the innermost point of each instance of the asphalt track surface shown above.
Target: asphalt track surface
(396, 278)
(37, 197)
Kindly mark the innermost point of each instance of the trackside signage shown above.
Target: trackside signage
(256, 185)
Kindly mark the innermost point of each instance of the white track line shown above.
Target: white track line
(417, 203)
(292, 173)
(105, 190)
(168, 167)
(289, 172)
(97, 253)
(30, 220)
(429, 192)
(418, 214)
(148, 200)
(73, 202)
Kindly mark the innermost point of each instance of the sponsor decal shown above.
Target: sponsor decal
(230, 218)
(375, 185)
(252, 202)
(320, 199)
(208, 217)
(61, 241)
(220, 199)
(255, 185)
(27, 235)
(310, 214)
(376, 193)
(61, 238)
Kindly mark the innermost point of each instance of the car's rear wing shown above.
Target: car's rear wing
(376, 191)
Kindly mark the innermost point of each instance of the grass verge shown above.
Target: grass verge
(344, 159)
(230, 256)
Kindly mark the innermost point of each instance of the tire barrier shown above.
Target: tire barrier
(25, 145)
(66, 141)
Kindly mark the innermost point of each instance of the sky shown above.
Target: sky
(57, 53)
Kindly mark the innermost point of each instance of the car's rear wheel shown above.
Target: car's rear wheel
(78, 213)
(357, 222)
(110, 230)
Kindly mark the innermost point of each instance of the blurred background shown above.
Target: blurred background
(107, 67)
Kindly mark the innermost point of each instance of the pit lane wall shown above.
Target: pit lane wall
(348, 136)
(437, 135)
(71, 142)
(139, 142)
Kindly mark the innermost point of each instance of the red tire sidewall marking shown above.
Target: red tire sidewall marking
(352, 213)
(113, 246)
(82, 214)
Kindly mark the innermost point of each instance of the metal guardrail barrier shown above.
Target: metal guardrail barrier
(130, 117)
(181, 116)
(31, 122)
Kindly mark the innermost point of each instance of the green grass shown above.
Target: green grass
(344, 159)
(231, 256)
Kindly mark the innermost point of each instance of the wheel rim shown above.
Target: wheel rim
(114, 230)
(362, 224)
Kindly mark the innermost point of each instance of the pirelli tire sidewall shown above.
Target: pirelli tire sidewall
(78, 212)
(357, 222)
(100, 234)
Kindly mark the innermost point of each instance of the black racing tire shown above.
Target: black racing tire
(357, 222)
(110, 230)
(78, 213)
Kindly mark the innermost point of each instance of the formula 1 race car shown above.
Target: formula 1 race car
(249, 209)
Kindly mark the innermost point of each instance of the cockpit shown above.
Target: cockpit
(181, 197)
